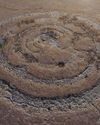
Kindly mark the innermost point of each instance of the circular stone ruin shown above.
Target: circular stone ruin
(52, 61)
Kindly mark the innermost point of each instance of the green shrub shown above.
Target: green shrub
(1, 46)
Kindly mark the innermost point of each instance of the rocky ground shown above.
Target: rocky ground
(50, 62)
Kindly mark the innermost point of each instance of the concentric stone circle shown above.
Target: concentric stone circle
(50, 54)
